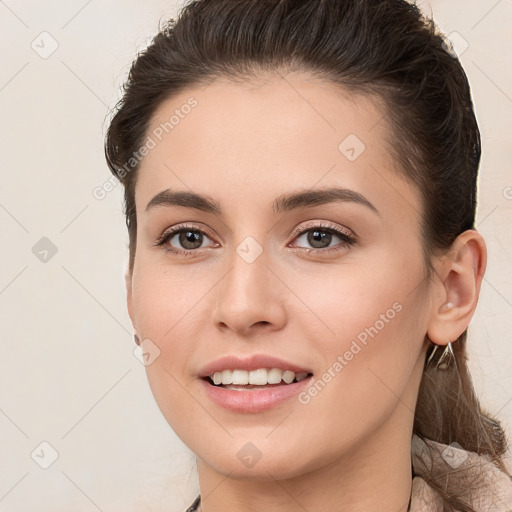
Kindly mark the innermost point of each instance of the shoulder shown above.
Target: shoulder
(424, 498)
(473, 478)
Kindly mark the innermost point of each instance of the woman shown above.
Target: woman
(300, 190)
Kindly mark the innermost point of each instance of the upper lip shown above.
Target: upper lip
(254, 362)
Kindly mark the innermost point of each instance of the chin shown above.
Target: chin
(280, 466)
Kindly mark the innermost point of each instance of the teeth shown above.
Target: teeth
(259, 377)
(240, 377)
(274, 376)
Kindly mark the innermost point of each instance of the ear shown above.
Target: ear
(457, 287)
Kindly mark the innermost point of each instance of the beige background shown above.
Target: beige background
(68, 373)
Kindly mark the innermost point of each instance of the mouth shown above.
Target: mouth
(262, 378)
(240, 385)
(239, 395)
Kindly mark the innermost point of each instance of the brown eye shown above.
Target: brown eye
(183, 240)
(190, 239)
(319, 238)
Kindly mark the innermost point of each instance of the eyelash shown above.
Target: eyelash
(347, 240)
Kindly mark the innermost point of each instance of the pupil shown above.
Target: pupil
(189, 239)
(321, 237)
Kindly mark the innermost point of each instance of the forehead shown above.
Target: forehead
(268, 135)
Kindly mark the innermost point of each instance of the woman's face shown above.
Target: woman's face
(333, 284)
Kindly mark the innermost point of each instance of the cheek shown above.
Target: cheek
(366, 375)
(164, 299)
(368, 325)
(347, 299)
(169, 308)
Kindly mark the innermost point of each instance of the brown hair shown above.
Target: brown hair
(383, 48)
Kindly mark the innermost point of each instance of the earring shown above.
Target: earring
(136, 338)
(446, 357)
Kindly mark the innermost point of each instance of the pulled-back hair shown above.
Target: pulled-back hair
(383, 48)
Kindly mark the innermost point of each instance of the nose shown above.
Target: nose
(249, 298)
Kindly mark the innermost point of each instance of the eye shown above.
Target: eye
(183, 240)
(319, 237)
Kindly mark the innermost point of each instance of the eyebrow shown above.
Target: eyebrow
(283, 203)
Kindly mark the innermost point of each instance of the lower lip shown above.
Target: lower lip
(253, 400)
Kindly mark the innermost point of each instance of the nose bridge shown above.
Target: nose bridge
(248, 293)
(247, 282)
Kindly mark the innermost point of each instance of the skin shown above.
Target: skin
(244, 145)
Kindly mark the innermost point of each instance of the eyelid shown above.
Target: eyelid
(308, 225)
(193, 226)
